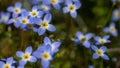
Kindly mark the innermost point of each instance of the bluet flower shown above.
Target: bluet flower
(4, 17)
(8, 63)
(102, 40)
(99, 52)
(111, 29)
(25, 57)
(71, 7)
(84, 39)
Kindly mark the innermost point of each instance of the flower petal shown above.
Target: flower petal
(18, 4)
(10, 9)
(89, 36)
(41, 31)
(48, 18)
(87, 44)
(19, 54)
(73, 14)
(45, 64)
(94, 48)
(1, 64)
(9, 60)
(47, 41)
(65, 10)
(105, 57)
(103, 48)
(79, 34)
(28, 50)
(51, 28)
(33, 59)
(95, 56)
(56, 6)
(22, 62)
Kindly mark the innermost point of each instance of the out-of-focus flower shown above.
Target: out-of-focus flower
(8, 63)
(91, 66)
(102, 40)
(111, 29)
(71, 7)
(17, 9)
(4, 17)
(84, 39)
(99, 52)
(116, 14)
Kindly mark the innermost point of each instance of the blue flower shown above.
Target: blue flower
(24, 19)
(71, 7)
(16, 9)
(35, 12)
(26, 56)
(91, 66)
(55, 3)
(111, 29)
(44, 53)
(8, 63)
(84, 39)
(45, 8)
(54, 45)
(100, 52)
(15, 21)
(115, 0)
(102, 40)
(4, 17)
(44, 24)
(116, 14)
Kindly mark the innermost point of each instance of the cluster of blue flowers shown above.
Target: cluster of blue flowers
(45, 52)
(39, 18)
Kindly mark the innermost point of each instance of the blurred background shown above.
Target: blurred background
(93, 16)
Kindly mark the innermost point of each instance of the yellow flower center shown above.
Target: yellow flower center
(71, 7)
(26, 57)
(34, 13)
(4, 18)
(46, 56)
(82, 39)
(44, 24)
(15, 20)
(7, 66)
(44, 8)
(112, 29)
(53, 1)
(102, 41)
(99, 52)
(117, 13)
(17, 10)
(24, 21)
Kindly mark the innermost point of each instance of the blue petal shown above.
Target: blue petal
(103, 48)
(112, 24)
(95, 56)
(56, 44)
(33, 59)
(73, 14)
(106, 29)
(87, 44)
(115, 33)
(51, 28)
(97, 38)
(22, 62)
(78, 34)
(19, 54)
(40, 14)
(89, 36)
(106, 37)
(9, 60)
(45, 64)
(48, 18)
(12, 67)
(28, 50)
(14, 15)
(17, 24)
(18, 4)
(41, 31)
(105, 57)
(1, 64)
(68, 2)
(47, 41)
(65, 10)
(77, 5)
(76, 41)
(91, 66)
(10, 21)
(37, 53)
(35, 7)
(10, 9)
(94, 48)
(56, 6)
